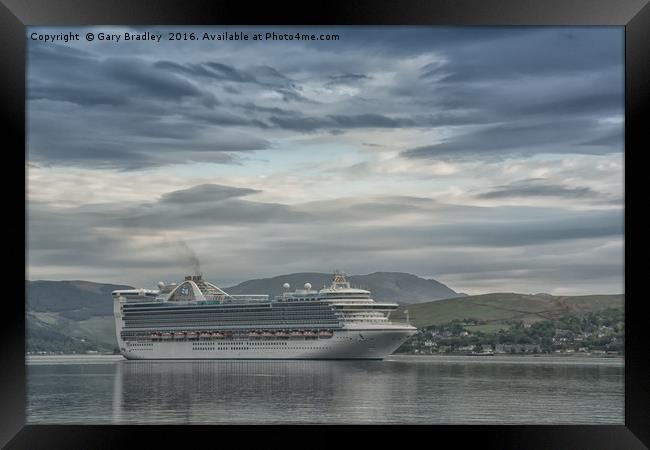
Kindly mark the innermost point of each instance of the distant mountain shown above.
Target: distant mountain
(501, 308)
(75, 299)
(402, 288)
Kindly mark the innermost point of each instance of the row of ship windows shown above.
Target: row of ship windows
(215, 325)
(268, 313)
(328, 313)
(232, 319)
(257, 344)
(227, 308)
(312, 313)
(208, 324)
(261, 343)
(255, 348)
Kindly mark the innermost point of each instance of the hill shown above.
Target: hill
(403, 288)
(55, 334)
(499, 308)
(77, 300)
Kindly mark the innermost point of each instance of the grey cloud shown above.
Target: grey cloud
(186, 69)
(38, 54)
(335, 122)
(615, 139)
(74, 94)
(206, 193)
(99, 137)
(346, 78)
(214, 70)
(518, 139)
(538, 188)
(266, 78)
(230, 73)
(138, 75)
(506, 233)
(512, 57)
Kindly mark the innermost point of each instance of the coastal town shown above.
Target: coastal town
(596, 333)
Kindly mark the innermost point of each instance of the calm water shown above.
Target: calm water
(423, 390)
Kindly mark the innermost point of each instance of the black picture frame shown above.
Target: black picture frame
(15, 15)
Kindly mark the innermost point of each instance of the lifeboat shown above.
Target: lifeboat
(166, 335)
(325, 334)
(179, 334)
(216, 334)
(205, 334)
(252, 334)
(192, 334)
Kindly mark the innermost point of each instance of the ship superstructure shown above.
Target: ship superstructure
(198, 320)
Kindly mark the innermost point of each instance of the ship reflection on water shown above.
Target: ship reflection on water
(245, 391)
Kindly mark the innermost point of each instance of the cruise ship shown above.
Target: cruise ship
(197, 320)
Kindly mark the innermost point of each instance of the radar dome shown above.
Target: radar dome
(161, 284)
(307, 286)
(286, 285)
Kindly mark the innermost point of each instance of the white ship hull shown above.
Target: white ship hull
(344, 344)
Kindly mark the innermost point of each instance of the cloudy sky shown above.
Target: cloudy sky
(490, 159)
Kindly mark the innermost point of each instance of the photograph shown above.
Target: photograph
(325, 225)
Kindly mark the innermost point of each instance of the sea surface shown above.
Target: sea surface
(402, 389)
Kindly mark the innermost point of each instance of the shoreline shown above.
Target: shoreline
(72, 357)
(519, 355)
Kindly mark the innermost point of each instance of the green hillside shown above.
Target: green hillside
(98, 330)
(50, 335)
(77, 300)
(499, 308)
